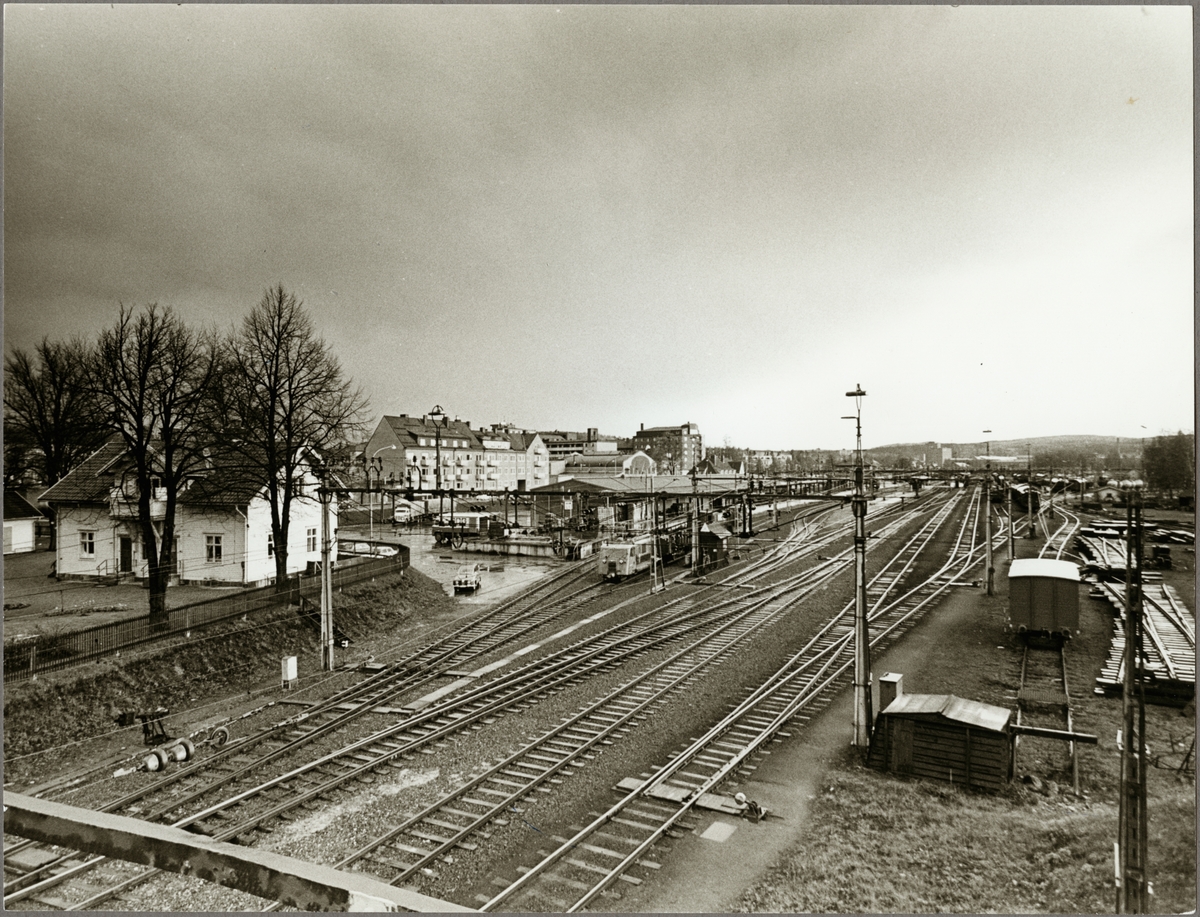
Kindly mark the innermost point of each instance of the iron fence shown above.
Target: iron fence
(49, 652)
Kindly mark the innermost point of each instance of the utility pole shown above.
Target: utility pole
(1012, 547)
(695, 526)
(1029, 491)
(987, 518)
(1132, 884)
(862, 645)
(325, 493)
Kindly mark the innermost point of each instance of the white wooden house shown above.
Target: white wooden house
(222, 524)
(20, 523)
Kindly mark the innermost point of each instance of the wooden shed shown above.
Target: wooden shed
(944, 737)
(714, 546)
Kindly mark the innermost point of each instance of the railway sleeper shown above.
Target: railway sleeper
(390, 862)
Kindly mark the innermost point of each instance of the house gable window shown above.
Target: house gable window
(270, 544)
(212, 549)
(87, 544)
(310, 540)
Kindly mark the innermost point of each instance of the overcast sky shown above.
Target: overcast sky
(581, 216)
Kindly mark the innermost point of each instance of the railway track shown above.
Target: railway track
(31, 870)
(317, 778)
(620, 841)
(1058, 540)
(1044, 701)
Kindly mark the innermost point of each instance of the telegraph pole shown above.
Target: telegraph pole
(1132, 884)
(325, 493)
(987, 518)
(695, 526)
(862, 645)
(1012, 549)
(1029, 491)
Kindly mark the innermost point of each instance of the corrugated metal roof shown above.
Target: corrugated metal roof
(1039, 566)
(969, 712)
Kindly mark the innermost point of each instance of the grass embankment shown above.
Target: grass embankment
(49, 721)
(878, 844)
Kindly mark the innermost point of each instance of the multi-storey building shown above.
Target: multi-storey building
(408, 451)
(561, 444)
(676, 449)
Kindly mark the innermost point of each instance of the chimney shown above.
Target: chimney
(641, 426)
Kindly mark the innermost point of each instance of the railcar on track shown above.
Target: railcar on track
(619, 559)
(454, 529)
(1043, 598)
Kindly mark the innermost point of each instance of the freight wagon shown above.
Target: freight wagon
(1043, 597)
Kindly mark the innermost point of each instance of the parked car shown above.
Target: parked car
(468, 578)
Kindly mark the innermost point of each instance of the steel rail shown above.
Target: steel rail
(376, 691)
(363, 745)
(685, 759)
(237, 798)
(666, 678)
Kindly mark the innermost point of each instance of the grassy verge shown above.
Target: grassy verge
(53, 717)
(879, 844)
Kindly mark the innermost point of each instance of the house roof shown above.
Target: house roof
(87, 482)
(521, 440)
(674, 428)
(1044, 567)
(613, 460)
(637, 484)
(407, 429)
(967, 712)
(223, 482)
(17, 507)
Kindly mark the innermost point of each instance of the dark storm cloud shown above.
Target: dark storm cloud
(636, 213)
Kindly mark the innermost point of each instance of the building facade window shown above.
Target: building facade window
(270, 544)
(311, 540)
(87, 544)
(212, 549)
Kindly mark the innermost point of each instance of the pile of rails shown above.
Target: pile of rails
(1104, 546)
(1168, 647)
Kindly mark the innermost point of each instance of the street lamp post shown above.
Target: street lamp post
(987, 518)
(325, 493)
(377, 465)
(862, 646)
(437, 455)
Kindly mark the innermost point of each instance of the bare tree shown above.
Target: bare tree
(51, 419)
(1169, 462)
(285, 398)
(154, 376)
(50, 408)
